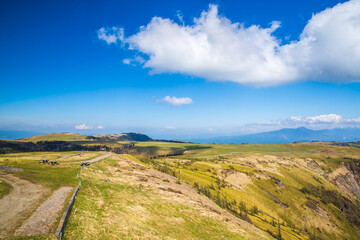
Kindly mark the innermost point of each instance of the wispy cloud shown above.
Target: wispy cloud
(134, 61)
(217, 49)
(175, 101)
(111, 35)
(87, 127)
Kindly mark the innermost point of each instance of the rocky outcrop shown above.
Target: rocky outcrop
(347, 178)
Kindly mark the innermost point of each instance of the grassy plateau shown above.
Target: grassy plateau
(168, 190)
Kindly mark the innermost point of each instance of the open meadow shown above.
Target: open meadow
(161, 190)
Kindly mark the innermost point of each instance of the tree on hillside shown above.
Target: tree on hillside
(279, 230)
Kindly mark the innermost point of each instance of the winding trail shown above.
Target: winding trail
(23, 201)
(18, 203)
(43, 219)
(98, 158)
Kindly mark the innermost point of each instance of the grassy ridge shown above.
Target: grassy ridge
(281, 189)
(123, 209)
(70, 137)
(276, 181)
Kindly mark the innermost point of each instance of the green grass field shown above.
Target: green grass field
(123, 209)
(249, 175)
(4, 188)
(289, 187)
(63, 174)
(57, 137)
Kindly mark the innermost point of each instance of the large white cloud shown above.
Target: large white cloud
(329, 46)
(217, 49)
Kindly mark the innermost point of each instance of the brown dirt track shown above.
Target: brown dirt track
(18, 204)
(42, 221)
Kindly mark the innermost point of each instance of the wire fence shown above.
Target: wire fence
(66, 215)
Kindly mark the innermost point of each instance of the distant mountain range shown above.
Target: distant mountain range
(288, 135)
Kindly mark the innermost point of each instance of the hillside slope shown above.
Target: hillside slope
(70, 137)
(296, 191)
(137, 137)
(140, 203)
(311, 189)
(73, 137)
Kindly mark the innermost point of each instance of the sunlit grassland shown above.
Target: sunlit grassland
(331, 156)
(52, 176)
(204, 168)
(4, 188)
(271, 192)
(57, 137)
(39, 237)
(121, 209)
(163, 148)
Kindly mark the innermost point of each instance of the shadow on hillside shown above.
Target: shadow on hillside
(156, 150)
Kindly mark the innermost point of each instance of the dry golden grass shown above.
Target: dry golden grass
(140, 203)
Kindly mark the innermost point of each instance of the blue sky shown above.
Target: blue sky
(59, 72)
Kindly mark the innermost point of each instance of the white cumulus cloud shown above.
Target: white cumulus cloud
(329, 118)
(329, 46)
(87, 127)
(175, 101)
(217, 49)
(320, 121)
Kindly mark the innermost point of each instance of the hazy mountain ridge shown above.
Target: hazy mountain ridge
(285, 135)
(289, 135)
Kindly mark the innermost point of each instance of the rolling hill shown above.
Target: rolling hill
(74, 137)
(138, 137)
(69, 137)
(192, 191)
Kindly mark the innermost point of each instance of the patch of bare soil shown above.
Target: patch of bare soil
(43, 219)
(347, 181)
(19, 203)
(239, 180)
(12, 169)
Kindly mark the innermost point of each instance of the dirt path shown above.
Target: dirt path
(19, 203)
(65, 157)
(11, 169)
(43, 219)
(98, 158)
